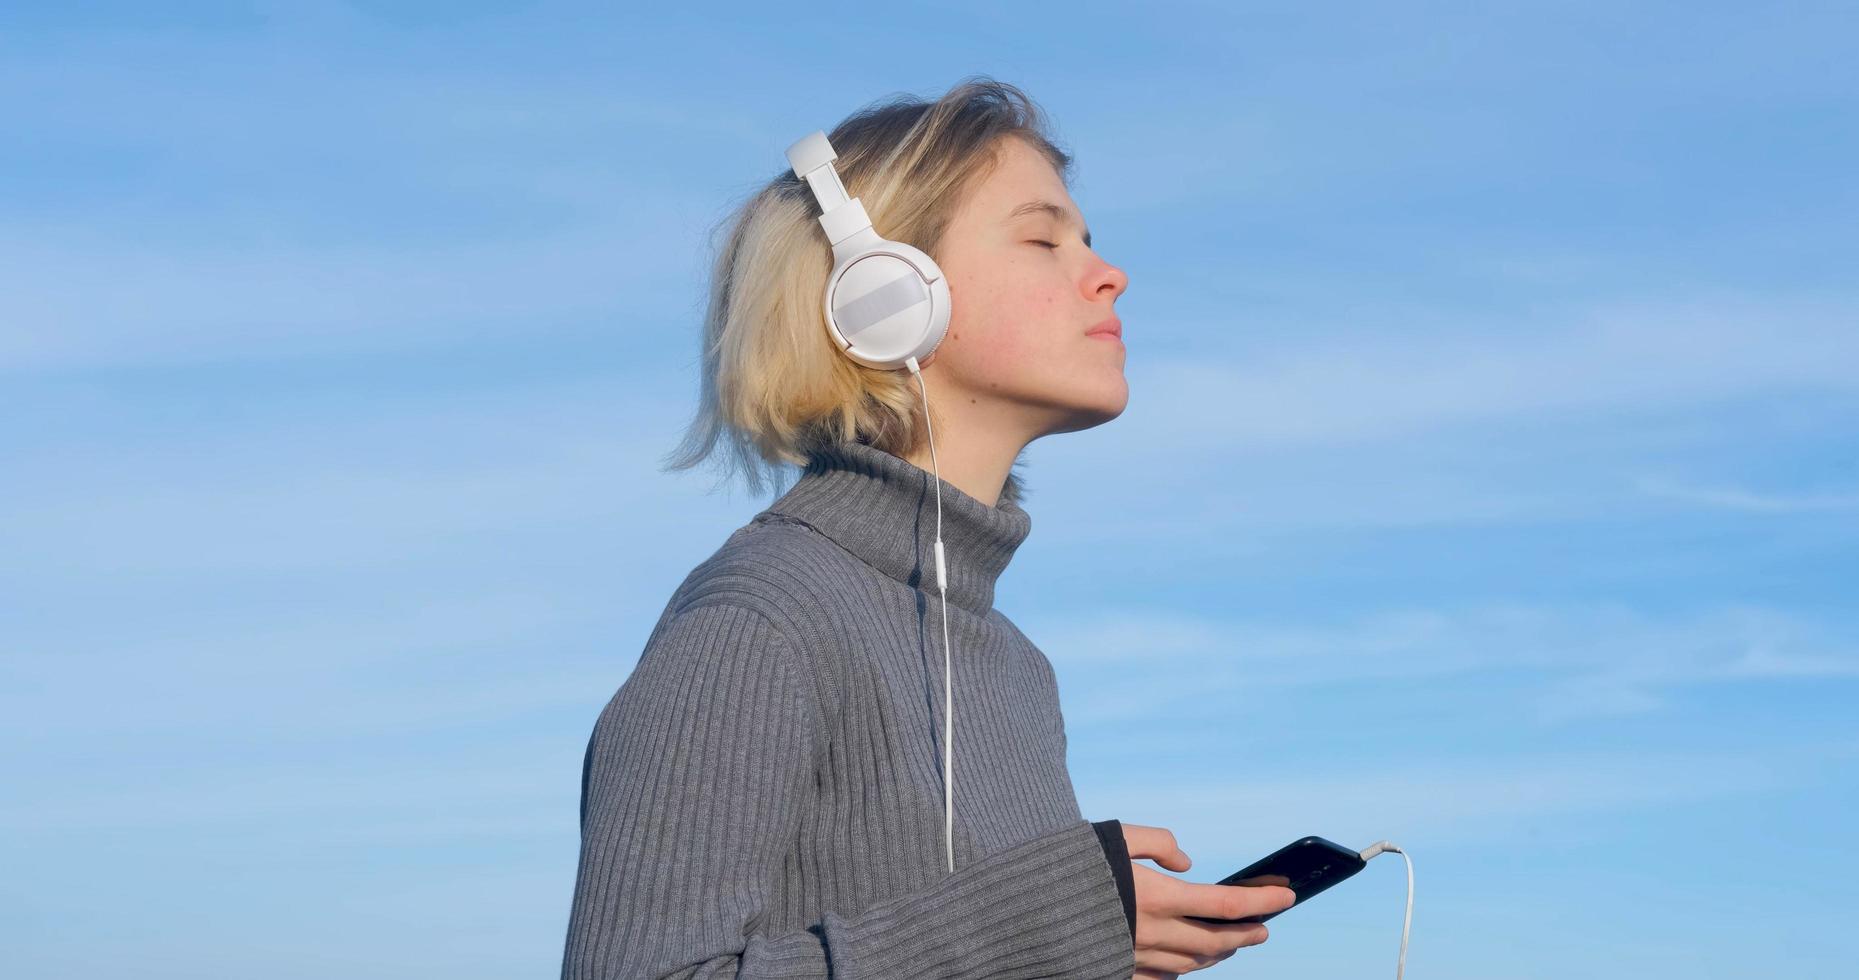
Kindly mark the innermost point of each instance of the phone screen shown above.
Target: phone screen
(1306, 866)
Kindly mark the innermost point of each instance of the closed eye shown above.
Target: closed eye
(1046, 244)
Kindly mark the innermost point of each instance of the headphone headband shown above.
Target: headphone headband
(885, 301)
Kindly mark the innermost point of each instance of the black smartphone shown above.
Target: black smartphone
(1306, 866)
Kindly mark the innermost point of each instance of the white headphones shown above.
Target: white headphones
(886, 302)
(887, 306)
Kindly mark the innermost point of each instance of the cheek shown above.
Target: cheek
(992, 343)
(994, 318)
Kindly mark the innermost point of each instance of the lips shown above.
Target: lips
(1111, 326)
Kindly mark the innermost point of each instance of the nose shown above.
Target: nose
(1111, 280)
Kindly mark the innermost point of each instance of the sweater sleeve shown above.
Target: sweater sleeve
(693, 788)
(1117, 852)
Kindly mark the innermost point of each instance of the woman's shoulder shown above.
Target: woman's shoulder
(1022, 648)
(783, 570)
(771, 564)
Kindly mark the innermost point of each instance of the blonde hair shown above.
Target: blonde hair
(774, 385)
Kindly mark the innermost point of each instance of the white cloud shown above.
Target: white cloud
(1418, 802)
(472, 789)
(84, 299)
(1735, 498)
(1579, 660)
(1464, 428)
(358, 485)
(1623, 357)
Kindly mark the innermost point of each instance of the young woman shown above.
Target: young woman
(769, 793)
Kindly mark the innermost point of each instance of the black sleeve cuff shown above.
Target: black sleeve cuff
(1117, 852)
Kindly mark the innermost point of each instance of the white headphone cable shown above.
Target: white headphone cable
(942, 585)
(1377, 848)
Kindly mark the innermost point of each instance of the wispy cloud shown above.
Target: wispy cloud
(353, 485)
(457, 206)
(95, 302)
(394, 665)
(1579, 660)
(1682, 352)
(489, 786)
(1740, 499)
(1427, 802)
(1448, 426)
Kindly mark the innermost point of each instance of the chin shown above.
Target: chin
(1087, 413)
(1115, 398)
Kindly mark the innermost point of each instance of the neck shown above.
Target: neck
(885, 510)
(974, 450)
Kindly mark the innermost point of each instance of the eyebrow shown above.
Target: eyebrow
(1057, 211)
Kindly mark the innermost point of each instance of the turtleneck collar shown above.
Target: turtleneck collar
(882, 508)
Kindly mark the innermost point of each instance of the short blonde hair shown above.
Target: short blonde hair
(774, 384)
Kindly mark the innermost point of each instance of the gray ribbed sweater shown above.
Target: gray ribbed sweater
(763, 795)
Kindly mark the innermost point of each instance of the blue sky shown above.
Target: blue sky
(1488, 482)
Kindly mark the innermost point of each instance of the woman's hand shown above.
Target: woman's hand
(1167, 944)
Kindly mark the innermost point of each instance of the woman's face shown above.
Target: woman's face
(1019, 344)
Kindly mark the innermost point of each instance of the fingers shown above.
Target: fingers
(1222, 901)
(1164, 896)
(1179, 946)
(1197, 948)
(1219, 941)
(1168, 943)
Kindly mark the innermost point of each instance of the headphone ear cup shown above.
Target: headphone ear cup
(887, 304)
